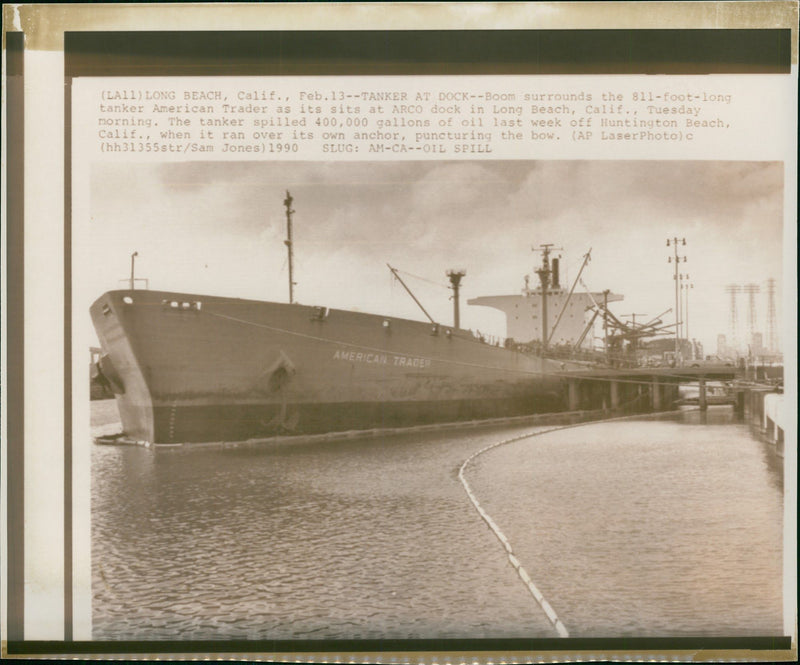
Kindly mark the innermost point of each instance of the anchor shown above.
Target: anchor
(275, 380)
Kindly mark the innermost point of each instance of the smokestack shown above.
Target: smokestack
(554, 268)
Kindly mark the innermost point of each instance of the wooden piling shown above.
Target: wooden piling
(574, 395)
(739, 404)
(656, 387)
(614, 394)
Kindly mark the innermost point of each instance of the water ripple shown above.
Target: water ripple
(646, 532)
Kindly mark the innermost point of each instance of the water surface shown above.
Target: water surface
(649, 528)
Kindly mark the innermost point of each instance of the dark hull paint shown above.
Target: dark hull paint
(238, 422)
(189, 368)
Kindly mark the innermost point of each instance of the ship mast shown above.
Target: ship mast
(455, 280)
(288, 242)
(133, 260)
(586, 258)
(544, 277)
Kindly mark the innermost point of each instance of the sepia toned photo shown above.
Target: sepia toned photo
(346, 400)
(389, 332)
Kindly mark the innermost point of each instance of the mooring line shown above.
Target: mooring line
(560, 628)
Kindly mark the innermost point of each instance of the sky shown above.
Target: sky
(217, 228)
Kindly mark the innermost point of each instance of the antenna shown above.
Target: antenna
(288, 242)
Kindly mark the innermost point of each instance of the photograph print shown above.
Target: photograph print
(435, 400)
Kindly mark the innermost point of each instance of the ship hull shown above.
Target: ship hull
(188, 368)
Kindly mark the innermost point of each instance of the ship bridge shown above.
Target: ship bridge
(524, 315)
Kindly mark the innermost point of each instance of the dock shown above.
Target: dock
(639, 388)
(757, 398)
(764, 410)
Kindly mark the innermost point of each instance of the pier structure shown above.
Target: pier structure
(641, 389)
(764, 410)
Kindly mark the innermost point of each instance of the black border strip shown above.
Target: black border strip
(15, 332)
(756, 643)
(421, 52)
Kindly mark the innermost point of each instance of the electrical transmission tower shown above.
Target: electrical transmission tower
(751, 290)
(772, 338)
(733, 290)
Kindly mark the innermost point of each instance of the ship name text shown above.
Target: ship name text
(382, 359)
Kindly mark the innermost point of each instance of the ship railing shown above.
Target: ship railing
(137, 280)
(490, 340)
(569, 352)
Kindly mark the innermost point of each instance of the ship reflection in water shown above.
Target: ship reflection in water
(666, 527)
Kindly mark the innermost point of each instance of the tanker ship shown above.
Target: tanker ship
(191, 368)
